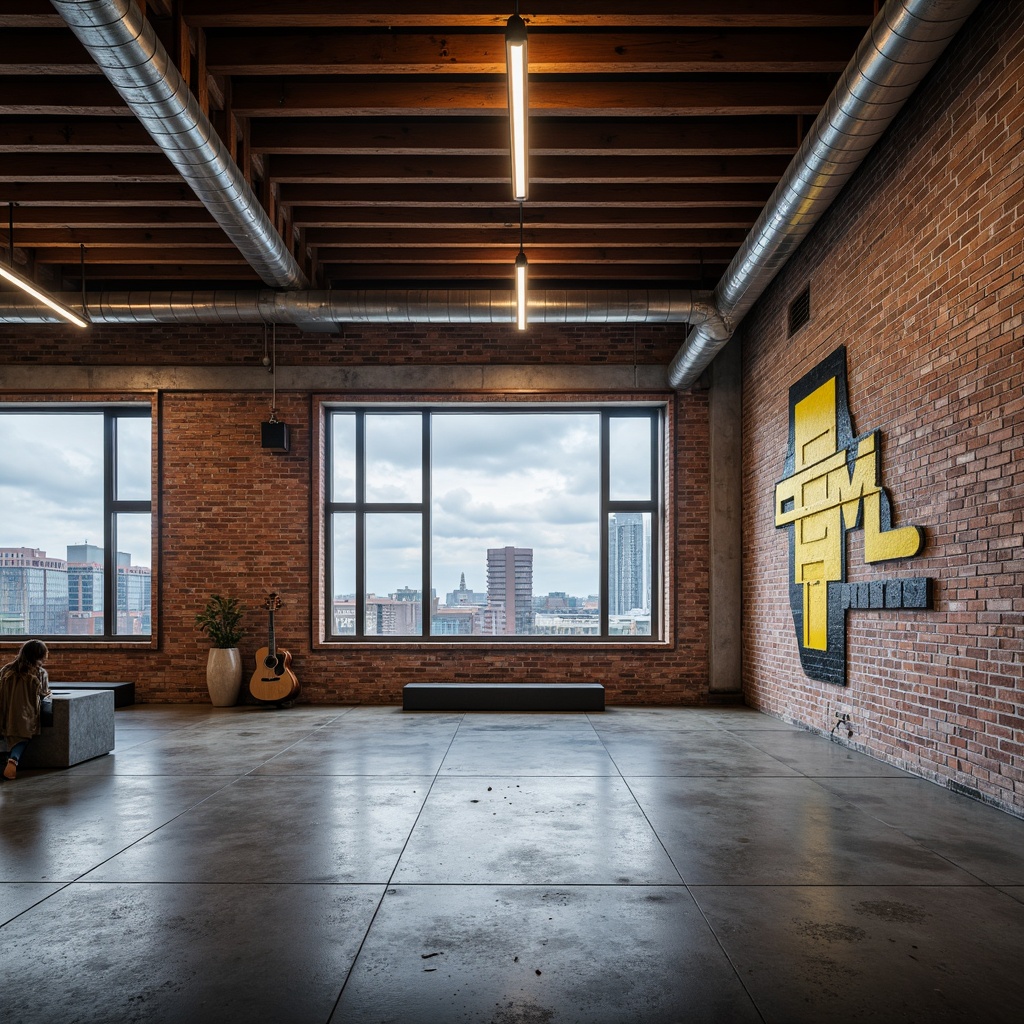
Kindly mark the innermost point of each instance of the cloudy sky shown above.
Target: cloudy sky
(528, 480)
(51, 482)
(525, 479)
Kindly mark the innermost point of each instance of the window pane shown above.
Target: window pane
(629, 458)
(134, 575)
(51, 494)
(343, 579)
(343, 454)
(528, 482)
(394, 456)
(629, 574)
(394, 569)
(134, 458)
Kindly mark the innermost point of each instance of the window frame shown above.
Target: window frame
(112, 508)
(655, 411)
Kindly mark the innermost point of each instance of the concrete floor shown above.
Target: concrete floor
(353, 865)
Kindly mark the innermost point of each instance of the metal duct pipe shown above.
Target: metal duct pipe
(123, 44)
(904, 41)
(378, 307)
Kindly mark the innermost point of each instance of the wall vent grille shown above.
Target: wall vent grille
(799, 311)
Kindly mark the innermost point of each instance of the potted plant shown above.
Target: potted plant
(221, 621)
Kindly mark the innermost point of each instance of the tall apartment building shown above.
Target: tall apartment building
(627, 550)
(510, 585)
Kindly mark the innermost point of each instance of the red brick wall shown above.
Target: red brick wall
(238, 520)
(918, 271)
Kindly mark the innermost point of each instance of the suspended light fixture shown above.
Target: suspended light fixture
(8, 273)
(521, 268)
(518, 102)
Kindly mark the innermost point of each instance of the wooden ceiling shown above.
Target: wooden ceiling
(376, 136)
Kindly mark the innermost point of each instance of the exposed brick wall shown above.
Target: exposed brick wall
(238, 520)
(918, 271)
(356, 345)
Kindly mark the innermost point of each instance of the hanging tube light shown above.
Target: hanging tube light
(521, 268)
(10, 274)
(518, 103)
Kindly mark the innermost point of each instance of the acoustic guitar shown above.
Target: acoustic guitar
(273, 682)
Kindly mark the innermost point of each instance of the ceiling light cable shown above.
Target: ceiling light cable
(22, 282)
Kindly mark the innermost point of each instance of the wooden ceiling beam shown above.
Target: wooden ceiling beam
(46, 52)
(668, 218)
(467, 13)
(94, 167)
(150, 195)
(52, 96)
(573, 270)
(154, 255)
(130, 238)
(198, 275)
(560, 195)
(444, 256)
(579, 170)
(423, 237)
(694, 51)
(548, 136)
(110, 217)
(74, 135)
(29, 14)
(685, 97)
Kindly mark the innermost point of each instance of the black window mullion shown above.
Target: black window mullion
(328, 535)
(109, 525)
(360, 524)
(604, 593)
(425, 602)
(657, 511)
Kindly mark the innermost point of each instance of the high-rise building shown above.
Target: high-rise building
(85, 590)
(33, 593)
(510, 585)
(134, 597)
(626, 564)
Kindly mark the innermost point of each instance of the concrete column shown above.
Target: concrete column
(726, 432)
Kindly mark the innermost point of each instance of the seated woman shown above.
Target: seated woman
(23, 685)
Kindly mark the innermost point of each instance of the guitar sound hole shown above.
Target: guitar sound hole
(270, 662)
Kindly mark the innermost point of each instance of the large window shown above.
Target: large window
(76, 524)
(526, 524)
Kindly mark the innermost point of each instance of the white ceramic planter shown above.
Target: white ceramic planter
(224, 676)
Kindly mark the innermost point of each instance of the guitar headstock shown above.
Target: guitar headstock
(273, 602)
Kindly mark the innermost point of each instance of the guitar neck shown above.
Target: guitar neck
(271, 646)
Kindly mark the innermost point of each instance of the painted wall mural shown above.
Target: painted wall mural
(833, 484)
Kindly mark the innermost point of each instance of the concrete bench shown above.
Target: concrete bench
(503, 697)
(124, 693)
(83, 728)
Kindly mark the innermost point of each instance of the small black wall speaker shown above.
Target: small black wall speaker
(274, 436)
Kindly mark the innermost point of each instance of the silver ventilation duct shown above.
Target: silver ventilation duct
(904, 41)
(377, 307)
(125, 47)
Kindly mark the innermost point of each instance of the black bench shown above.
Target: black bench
(124, 693)
(503, 697)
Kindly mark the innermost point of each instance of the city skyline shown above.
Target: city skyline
(48, 596)
(51, 482)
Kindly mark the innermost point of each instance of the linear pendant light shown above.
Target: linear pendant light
(12, 275)
(518, 103)
(521, 269)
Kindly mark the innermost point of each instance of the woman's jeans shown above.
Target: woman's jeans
(17, 750)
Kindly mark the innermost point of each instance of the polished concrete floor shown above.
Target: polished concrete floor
(368, 865)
